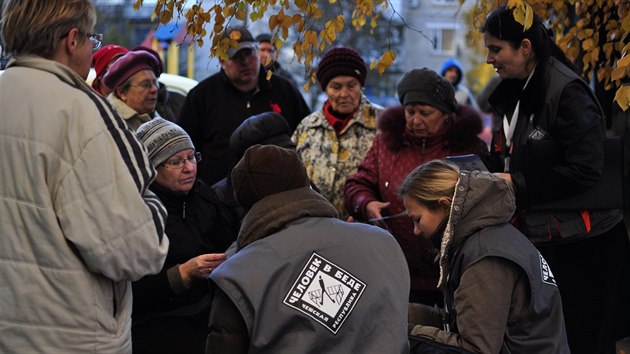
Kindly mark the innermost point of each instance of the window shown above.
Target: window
(443, 38)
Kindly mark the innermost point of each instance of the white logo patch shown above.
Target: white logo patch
(325, 292)
(547, 275)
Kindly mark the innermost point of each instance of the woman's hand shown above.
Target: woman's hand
(373, 211)
(200, 267)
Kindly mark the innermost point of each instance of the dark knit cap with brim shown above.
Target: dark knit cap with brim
(268, 128)
(265, 170)
(341, 61)
(425, 86)
(243, 37)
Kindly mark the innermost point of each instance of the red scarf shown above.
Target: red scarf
(336, 120)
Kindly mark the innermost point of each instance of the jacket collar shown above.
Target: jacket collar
(461, 133)
(63, 72)
(125, 111)
(365, 116)
(274, 212)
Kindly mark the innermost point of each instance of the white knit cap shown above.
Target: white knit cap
(163, 139)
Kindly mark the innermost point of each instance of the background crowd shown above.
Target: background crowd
(237, 220)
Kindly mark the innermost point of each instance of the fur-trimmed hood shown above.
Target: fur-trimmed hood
(461, 133)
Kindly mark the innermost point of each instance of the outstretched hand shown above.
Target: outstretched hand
(200, 267)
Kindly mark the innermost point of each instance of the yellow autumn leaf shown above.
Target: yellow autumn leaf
(235, 35)
(622, 97)
(514, 3)
(386, 61)
(588, 44)
(624, 61)
(585, 33)
(241, 12)
(273, 22)
(137, 5)
(618, 73)
(608, 48)
(529, 17)
(625, 24)
(373, 64)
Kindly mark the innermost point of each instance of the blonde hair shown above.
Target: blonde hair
(36, 26)
(430, 182)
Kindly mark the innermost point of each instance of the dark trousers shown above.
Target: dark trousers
(593, 277)
(171, 335)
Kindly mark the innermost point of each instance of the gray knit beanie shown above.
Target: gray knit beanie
(163, 139)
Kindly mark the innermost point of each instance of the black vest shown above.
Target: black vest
(544, 320)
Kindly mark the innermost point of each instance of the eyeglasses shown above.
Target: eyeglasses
(178, 164)
(95, 38)
(146, 85)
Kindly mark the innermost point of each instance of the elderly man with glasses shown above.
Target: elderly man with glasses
(132, 81)
(78, 220)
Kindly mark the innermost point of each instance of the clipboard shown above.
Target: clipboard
(470, 162)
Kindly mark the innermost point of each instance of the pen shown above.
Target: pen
(388, 217)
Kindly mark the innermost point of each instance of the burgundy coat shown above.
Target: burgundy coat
(390, 159)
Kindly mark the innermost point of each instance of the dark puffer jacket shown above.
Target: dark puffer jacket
(196, 225)
(390, 159)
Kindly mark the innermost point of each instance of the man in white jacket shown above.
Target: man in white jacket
(77, 221)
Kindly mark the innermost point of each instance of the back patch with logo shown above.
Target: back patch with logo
(547, 275)
(325, 292)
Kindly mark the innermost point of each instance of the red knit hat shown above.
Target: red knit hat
(129, 64)
(341, 61)
(105, 55)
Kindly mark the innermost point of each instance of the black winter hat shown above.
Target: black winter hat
(268, 128)
(265, 170)
(341, 61)
(263, 37)
(425, 86)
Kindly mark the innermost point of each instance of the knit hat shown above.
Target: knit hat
(341, 61)
(265, 170)
(425, 86)
(105, 55)
(155, 54)
(163, 139)
(129, 64)
(243, 37)
(268, 128)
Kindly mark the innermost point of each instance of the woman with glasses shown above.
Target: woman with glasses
(132, 81)
(171, 308)
(429, 125)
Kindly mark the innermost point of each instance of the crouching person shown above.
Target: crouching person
(303, 281)
(500, 295)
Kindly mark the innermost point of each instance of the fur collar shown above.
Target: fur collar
(461, 133)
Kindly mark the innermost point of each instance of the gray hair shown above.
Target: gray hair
(36, 26)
